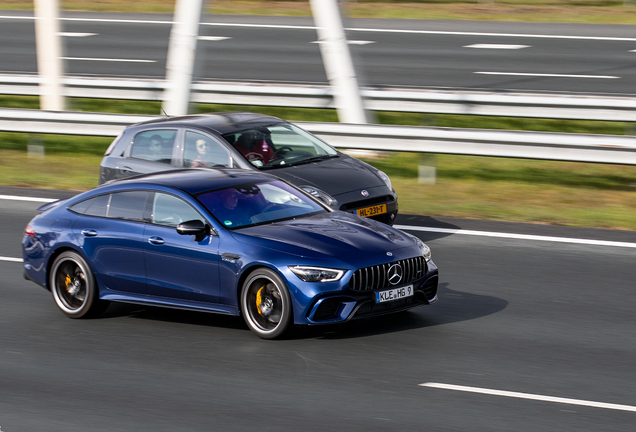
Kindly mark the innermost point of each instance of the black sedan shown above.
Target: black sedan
(253, 142)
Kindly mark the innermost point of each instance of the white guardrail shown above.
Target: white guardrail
(614, 149)
(439, 101)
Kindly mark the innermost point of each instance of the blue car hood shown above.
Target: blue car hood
(337, 234)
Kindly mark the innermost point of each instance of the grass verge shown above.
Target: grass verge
(565, 193)
(580, 11)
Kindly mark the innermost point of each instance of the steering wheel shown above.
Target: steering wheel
(281, 151)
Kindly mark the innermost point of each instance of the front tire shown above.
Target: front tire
(73, 286)
(266, 304)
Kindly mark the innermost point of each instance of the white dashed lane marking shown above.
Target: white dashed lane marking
(544, 75)
(109, 60)
(497, 46)
(70, 34)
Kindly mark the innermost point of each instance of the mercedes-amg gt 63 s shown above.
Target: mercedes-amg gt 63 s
(228, 241)
(253, 142)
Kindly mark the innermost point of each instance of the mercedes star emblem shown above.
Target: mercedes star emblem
(394, 275)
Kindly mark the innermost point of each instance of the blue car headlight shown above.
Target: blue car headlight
(317, 274)
(424, 249)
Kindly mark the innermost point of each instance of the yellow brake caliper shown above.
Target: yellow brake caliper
(259, 300)
(68, 282)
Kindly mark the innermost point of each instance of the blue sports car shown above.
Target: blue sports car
(226, 241)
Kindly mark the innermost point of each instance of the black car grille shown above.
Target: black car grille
(430, 288)
(367, 202)
(327, 309)
(375, 277)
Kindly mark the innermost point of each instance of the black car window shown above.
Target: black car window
(202, 151)
(170, 211)
(127, 205)
(154, 146)
(92, 207)
(279, 146)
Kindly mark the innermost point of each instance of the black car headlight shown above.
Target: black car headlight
(317, 274)
(386, 179)
(424, 249)
(321, 195)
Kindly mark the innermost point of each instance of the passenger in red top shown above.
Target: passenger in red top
(253, 145)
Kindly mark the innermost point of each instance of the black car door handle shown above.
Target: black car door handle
(126, 169)
(156, 240)
(89, 233)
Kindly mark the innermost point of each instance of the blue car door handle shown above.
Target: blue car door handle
(89, 233)
(156, 240)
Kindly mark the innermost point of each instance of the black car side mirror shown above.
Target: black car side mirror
(194, 227)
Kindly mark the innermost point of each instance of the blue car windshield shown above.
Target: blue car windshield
(257, 203)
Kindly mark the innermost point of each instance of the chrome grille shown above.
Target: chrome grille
(375, 277)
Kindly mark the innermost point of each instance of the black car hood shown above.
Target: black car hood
(328, 234)
(335, 176)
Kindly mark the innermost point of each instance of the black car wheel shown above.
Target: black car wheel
(73, 286)
(266, 304)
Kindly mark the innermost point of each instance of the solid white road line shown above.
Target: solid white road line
(520, 35)
(497, 46)
(518, 236)
(109, 60)
(548, 75)
(438, 230)
(275, 26)
(10, 259)
(23, 198)
(70, 34)
(530, 396)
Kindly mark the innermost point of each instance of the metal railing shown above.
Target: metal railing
(614, 149)
(434, 101)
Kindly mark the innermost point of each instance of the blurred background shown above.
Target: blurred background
(464, 49)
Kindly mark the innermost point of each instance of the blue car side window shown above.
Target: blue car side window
(127, 205)
(92, 207)
(170, 211)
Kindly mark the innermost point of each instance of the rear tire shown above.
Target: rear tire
(265, 304)
(74, 288)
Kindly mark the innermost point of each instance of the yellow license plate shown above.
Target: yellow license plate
(371, 211)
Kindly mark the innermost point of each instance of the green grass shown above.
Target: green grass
(571, 11)
(566, 193)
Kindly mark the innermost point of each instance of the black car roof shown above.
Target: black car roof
(223, 123)
(196, 180)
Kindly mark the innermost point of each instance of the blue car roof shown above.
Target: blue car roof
(197, 180)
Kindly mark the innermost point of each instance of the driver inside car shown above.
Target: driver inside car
(254, 146)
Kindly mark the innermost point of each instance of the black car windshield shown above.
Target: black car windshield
(279, 146)
(256, 203)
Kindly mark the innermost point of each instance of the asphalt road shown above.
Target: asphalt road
(537, 317)
(412, 53)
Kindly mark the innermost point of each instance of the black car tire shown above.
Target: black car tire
(266, 304)
(73, 286)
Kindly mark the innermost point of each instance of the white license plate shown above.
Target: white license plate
(394, 294)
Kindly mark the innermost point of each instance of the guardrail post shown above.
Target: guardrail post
(181, 54)
(337, 60)
(49, 54)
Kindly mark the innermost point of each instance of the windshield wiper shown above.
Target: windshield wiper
(281, 163)
(312, 159)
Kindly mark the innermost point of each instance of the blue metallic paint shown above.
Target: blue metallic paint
(122, 259)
